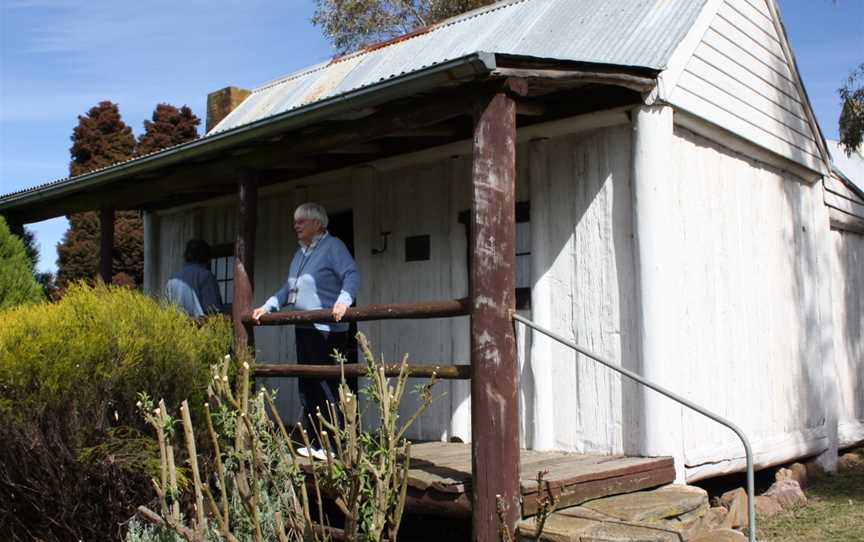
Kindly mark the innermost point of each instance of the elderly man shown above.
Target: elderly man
(322, 275)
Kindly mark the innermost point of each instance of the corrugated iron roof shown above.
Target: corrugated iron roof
(633, 33)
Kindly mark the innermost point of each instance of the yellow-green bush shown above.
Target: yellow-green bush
(70, 374)
(105, 342)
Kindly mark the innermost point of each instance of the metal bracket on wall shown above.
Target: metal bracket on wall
(383, 249)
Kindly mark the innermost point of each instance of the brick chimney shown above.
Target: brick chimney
(222, 102)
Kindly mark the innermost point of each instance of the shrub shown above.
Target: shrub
(258, 488)
(75, 456)
(17, 285)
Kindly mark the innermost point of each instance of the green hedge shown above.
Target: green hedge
(17, 285)
(70, 374)
(105, 342)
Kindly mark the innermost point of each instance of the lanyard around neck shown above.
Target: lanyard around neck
(306, 256)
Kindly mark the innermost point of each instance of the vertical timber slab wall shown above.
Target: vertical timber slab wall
(581, 257)
(744, 296)
(583, 287)
(847, 294)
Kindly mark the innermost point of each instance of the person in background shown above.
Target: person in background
(322, 275)
(194, 289)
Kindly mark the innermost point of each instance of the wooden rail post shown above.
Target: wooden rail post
(244, 257)
(106, 243)
(494, 395)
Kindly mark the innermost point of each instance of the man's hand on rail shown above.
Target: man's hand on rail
(257, 313)
(339, 311)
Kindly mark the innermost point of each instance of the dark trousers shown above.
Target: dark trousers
(316, 347)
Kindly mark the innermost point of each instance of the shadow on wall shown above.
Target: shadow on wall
(848, 300)
(583, 282)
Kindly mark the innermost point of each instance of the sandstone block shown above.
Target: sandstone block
(580, 524)
(814, 470)
(799, 474)
(782, 475)
(677, 502)
(766, 507)
(737, 516)
(848, 461)
(721, 535)
(710, 521)
(787, 494)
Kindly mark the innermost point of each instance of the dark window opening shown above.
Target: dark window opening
(417, 248)
(222, 267)
(522, 270)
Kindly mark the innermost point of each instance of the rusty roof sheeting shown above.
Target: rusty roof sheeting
(633, 33)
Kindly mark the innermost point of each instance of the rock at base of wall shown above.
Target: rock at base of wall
(787, 494)
(737, 504)
(848, 461)
(766, 507)
(796, 472)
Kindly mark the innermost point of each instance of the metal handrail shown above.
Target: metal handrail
(751, 515)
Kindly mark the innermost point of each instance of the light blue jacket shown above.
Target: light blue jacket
(194, 290)
(324, 274)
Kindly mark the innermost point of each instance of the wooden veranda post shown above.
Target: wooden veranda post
(494, 397)
(244, 257)
(106, 243)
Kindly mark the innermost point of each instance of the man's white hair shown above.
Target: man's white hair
(312, 211)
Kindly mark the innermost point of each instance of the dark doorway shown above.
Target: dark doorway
(342, 226)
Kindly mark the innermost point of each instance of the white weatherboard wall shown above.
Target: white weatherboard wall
(743, 253)
(581, 229)
(847, 292)
(740, 78)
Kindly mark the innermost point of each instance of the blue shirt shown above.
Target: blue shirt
(194, 290)
(324, 274)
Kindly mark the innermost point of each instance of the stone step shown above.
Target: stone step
(673, 513)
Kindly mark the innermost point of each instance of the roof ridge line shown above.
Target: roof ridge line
(456, 19)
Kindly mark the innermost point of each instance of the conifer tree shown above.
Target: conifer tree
(169, 126)
(45, 279)
(100, 139)
(17, 285)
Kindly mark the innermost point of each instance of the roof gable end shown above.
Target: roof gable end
(736, 70)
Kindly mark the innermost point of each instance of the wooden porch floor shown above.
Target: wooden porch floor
(439, 481)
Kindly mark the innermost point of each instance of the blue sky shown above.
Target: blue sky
(59, 58)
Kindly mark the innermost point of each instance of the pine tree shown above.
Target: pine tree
(100, 139)
(169, 126)
(17, 285)
(45, 279)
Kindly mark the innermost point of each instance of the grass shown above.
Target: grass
(834, 512)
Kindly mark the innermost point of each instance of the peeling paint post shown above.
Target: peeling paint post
(244, 256)
(494, 397)
(106, 243)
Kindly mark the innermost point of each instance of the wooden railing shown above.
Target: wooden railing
(351, 370)
(390, 311)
